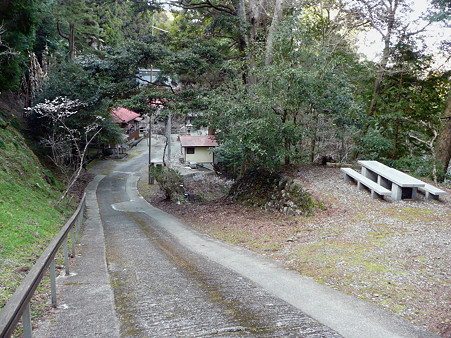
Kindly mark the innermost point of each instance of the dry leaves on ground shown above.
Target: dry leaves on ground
(392, 254)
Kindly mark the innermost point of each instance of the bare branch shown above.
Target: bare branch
(60, 32)
(158, 84)
(371, 19)
(63, 139)
(419, 31)
(202, 4)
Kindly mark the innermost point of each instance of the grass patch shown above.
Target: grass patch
(410, 214)
(234, 237)
(28, 217)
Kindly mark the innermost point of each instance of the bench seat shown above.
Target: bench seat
(431, 192)
(376, 189)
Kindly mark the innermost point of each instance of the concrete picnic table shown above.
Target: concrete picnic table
(401, 185)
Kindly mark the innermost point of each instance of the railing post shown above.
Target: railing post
(66, 257)
(77, 224)
(79, 221)
(26, 322)
(53, 282)
(73, 240)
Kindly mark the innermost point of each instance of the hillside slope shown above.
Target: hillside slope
(28, 218)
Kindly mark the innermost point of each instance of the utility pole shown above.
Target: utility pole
(169, 138)
(151, 178)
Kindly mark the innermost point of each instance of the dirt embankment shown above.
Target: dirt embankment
(392, 254)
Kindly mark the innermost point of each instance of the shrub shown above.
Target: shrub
(170, 182)
(420, 166)
(206, 187)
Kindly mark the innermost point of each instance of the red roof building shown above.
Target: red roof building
(123, 115)
(128, 121)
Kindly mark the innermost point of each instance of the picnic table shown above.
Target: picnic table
(400, 184)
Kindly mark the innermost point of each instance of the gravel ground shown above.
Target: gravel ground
(393, 254)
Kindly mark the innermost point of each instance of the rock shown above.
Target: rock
(23, 269)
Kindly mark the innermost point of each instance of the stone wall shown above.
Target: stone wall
(291, 198)
(274, 192)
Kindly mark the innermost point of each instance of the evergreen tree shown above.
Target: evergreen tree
(18, 20)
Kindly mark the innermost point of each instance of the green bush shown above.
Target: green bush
(170, 182)
(420, 166)
(376, 145)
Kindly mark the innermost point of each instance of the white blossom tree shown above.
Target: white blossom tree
(68, 145)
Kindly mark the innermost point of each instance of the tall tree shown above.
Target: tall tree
(77, 24)
(277, 16)
(388, 18)
(444, 140)
(18, 20)
(252, 24)
(309, 82)
(442, 12)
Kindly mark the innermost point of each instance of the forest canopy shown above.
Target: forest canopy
(280, 81)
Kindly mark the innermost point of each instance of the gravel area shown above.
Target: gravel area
(392, 254)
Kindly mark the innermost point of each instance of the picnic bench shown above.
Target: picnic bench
(383, 181)
(376, 189)
(401, 185)
(431, 192)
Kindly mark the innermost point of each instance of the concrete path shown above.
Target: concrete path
(88, 298)
(349, 316)
(86, 301)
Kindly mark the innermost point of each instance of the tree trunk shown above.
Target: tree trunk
(313, 148)
(313, 140)
(71, 41)
(287, 147)
(255, 18)
(385, 56)
(249, 78)
(70, 38)
(278, 9)
(243, 22)
(36, 76)
(396, 141)
(444, 139)
(164, 152)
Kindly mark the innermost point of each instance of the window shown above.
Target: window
(190, 150)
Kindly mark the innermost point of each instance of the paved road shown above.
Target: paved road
(142, 273)
(161, 288)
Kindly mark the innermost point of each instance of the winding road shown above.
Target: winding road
(161, 288)
(143, 273)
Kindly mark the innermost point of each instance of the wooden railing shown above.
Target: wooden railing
(19, 304)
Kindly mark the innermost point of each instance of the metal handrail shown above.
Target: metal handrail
(19, 303)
